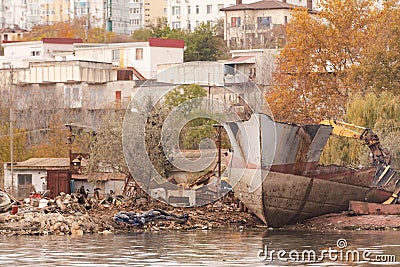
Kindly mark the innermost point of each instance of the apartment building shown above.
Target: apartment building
(257, 25)
(153, 10)
(114, 15)
(188, 14)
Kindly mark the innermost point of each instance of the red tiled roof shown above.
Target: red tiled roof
(261, 5)
(158, 42)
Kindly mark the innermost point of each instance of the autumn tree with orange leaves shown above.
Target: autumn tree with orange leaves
(332, 55)
(74, 29)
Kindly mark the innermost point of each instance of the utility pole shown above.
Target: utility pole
(218, 127)
(70, 140)
(11, 130)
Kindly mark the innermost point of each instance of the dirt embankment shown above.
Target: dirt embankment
(222, 214)
(346, 221)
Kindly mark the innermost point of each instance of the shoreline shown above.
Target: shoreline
(224, 214)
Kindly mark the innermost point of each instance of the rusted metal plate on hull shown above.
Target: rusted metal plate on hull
(295, 188)
(251, 198)
(366, 208)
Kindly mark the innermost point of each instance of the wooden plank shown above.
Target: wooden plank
(365, 208)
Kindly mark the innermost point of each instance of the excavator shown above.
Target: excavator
(380, 156)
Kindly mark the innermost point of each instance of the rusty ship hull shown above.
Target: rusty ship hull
(274, 171)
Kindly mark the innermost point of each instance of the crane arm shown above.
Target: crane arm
(380, 155)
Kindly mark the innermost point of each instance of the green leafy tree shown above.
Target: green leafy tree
(197, 129)
(204, 45)
(142, 35)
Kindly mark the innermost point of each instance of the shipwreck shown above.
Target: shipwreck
(274, 169)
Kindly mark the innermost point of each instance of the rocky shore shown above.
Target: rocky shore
(71, 220)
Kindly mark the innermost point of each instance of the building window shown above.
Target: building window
(134, 10)
(264, 22)
(24, 185)
(135, 21)
(235, 22)
(220, 6)
(197, 9)
(139, 54)
(285, 19)
(209, 9)
(176, 25)
(176, 10)
(75, 94)
(165, 10)
(35, 53)
(115, 55)
(188, 10)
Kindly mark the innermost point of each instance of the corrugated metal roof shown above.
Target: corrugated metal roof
(241, 59)
(270, 4)
(41, 163)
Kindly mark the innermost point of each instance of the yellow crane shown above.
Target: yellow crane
(380, 155)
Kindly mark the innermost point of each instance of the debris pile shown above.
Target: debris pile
(76, 214)
(39, 223)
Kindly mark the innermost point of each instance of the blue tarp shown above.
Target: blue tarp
(141, 219)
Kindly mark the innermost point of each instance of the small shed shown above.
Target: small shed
(30, 175)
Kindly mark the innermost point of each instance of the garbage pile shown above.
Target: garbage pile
(64, 215)
(77, 214)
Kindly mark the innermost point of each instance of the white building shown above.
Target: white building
(20, 54)
(188, 14)
(142, 56)
(258, 25)
(32, 176)
(29, 175)
(256, 65)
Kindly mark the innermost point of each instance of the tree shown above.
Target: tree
(162, 30)
(200, 127)
(142, 35)
(74, 29)
(204, 45)
(381, 113)
(379, 67)
(312, 79)
(184, 93)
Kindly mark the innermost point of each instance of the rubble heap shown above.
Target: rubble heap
(73, 215)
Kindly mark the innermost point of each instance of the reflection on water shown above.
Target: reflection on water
(199, 248)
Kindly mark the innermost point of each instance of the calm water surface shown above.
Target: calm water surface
(199, 248)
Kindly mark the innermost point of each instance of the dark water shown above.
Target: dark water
(199, 248)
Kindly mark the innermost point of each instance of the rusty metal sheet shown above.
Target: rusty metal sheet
(366, 208)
